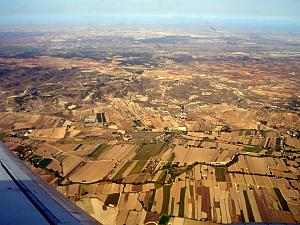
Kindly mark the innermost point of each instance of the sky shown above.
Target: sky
(18, 10)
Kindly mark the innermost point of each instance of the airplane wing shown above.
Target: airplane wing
(26, 199)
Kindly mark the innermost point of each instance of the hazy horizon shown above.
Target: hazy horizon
(17, 12)
(38, 22)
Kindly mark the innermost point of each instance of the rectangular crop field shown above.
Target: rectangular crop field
(97, 152)
(148, 151)
(251, 149)
(44, 162)
(165, 205)
(181, 203)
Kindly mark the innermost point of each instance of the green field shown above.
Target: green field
(44, 162)
(172, 206)
(122, 170)
(192, 191)
(112, 199)
(263, 133)
(135, 71)
(40, 161)
(251, 149)
(157, 185)
(165, 205)
(138, 167)
(36, 159)
(282, 201)
(278, 141)
(181, 203)
(148, 151)
(163, 220)
(220, 174)
(249, 208)
(151, 201)
(144, 154)
(162, 177)
(97, 152)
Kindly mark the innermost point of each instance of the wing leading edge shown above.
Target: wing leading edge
(27, 199)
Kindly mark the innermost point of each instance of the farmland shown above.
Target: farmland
(95, 154)
(146, 126)
(218, 180)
